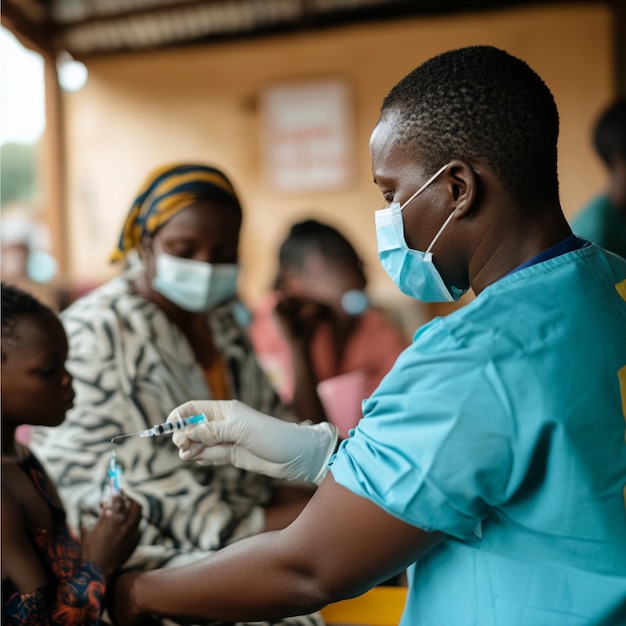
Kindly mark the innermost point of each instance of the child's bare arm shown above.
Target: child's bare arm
(20, 562)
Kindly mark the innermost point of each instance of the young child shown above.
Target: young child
(49, 577)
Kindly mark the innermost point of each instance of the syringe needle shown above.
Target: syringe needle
(114, 439)
(165, 428)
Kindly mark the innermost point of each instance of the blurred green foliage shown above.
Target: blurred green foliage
(17, 173)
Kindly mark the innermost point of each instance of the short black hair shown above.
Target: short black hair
(17, 303)
(313, 236)
(484, 105)
(609, 135)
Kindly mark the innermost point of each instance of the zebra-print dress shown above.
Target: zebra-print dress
(131, 367)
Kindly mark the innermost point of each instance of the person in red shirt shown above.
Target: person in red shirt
(322, 343)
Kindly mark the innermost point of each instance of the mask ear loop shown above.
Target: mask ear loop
(430, 180)
(439, 233)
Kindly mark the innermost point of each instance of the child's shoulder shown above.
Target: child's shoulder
(12, 463)
(13, 494)
(23, 483)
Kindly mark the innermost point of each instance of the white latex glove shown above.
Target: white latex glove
(236, 434)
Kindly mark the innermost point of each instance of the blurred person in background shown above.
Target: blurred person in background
(25, 259)
(603, 220)
(319, 337)
(160, 332)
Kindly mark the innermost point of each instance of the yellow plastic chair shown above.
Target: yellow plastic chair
(380, 606)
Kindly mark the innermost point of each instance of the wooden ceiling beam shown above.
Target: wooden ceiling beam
(33, 31)
(123, 14)
(97, 32)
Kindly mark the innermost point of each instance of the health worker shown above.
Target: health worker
(491, 460)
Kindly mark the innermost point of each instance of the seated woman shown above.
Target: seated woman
(49, 577)
(317, 335)
(161, 332)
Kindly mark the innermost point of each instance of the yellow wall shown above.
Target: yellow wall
(138, 111)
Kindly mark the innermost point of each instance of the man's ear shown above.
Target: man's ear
(463, 186)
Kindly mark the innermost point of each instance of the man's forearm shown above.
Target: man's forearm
(213, 588)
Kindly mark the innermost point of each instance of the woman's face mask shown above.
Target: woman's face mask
(192, 285)
(412, 271)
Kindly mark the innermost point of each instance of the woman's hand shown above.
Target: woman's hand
(114, 536)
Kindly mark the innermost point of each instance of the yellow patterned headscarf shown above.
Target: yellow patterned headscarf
(168, 190)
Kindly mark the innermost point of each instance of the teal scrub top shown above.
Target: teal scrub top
(503, 426)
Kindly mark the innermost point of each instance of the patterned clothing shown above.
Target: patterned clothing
(131, 367)
(76, 592)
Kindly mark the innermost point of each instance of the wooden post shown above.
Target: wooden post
(53, 169)
(35, 35)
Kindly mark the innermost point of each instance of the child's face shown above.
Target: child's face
(36, 387)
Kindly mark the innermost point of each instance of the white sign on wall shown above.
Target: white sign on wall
(307, 135)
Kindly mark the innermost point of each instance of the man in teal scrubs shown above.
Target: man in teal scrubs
(491, 460)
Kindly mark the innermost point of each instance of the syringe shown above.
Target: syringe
(165, 428)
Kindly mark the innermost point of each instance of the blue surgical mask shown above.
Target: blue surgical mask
(193, 285)
(412, 271)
